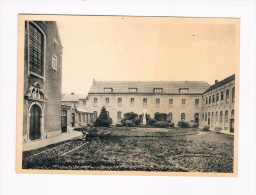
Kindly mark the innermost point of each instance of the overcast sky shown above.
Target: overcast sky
(145, 48)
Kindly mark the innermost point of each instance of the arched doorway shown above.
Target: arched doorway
(35, 125)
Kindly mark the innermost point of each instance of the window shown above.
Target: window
(145, 102)
(119, 115)
(169, 116)
(217, 97)
(205, 117)
(213, 98)
(157, 102)
(84, 102)
(132, 90)
(183, 90)
(95, 100)
(95, 115)
(226, 116)
(232, 114)
(196, 103)
(183, 103)
(222, 96)
(54, 62)
(36, 50)
(107, 101)
(206, 100)
(119, 102)
(108, 90)
(84, 117)
(212, 118)
(233, 94)
(221, 116)
(158, 90)
(170, 103)
(210, 99)
(216, 116)
(132, 102)
(79, 118)
(227, 95)
(183, 116)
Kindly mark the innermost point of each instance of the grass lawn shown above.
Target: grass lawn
(139, 149)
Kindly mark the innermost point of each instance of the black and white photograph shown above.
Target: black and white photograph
(128, 95)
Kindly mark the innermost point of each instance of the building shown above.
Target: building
(77, 115)
(181, 100)
(219, 105)
(42, 81)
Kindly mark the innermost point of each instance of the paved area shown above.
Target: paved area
(45, 142)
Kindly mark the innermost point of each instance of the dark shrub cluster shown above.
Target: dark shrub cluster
(160, 116)
(103, 120)
(163, 124)
(183, 124)
(206, 128)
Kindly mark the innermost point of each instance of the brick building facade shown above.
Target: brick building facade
(42, 81)
(219, 105)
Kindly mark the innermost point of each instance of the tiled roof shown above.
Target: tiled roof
(220, 83)
(72, 97)
(173, 87)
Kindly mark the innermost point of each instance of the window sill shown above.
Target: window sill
(37, 75)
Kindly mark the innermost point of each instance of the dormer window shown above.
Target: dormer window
(108, 90)
(158, 90)
(183, 90)
(133, 90)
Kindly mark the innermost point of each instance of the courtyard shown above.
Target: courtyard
(139, 149)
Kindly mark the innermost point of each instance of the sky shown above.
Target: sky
(116, 48)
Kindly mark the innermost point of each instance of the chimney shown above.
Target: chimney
(72, 93)
(216, 81)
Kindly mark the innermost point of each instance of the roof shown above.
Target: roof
(172, 87)
(221, 83)
(72, 97)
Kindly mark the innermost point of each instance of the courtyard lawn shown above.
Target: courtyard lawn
(139, 149)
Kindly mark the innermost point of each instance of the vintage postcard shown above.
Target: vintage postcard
(128, 95)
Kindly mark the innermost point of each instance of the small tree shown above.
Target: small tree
(103, 120)
(160, 116)
(130, 116)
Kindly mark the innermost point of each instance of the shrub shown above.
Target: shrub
(217, 129)
(130, 116)
(118, 125)
(83, 128)
(137, 120)
(160, 116)
(161, 124)
(183, 124)
(151, 121)
(128, 123)
(103, 120)
(206, 128)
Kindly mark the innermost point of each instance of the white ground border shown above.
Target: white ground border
(12, 183)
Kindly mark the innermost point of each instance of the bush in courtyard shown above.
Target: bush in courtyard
(137, 121)
(83, 128)
(118, 125)
(183, 124)
(217, 129)
(128, 123)
(151, 121)
(130, 116)
(161, 124)
(160, 116)
(206, 128)
(103, 120)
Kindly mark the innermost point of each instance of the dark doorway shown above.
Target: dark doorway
(231, 125)
(196, 118)
(73, 119)
(64, 121)
(34, 129)
(209, 121)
